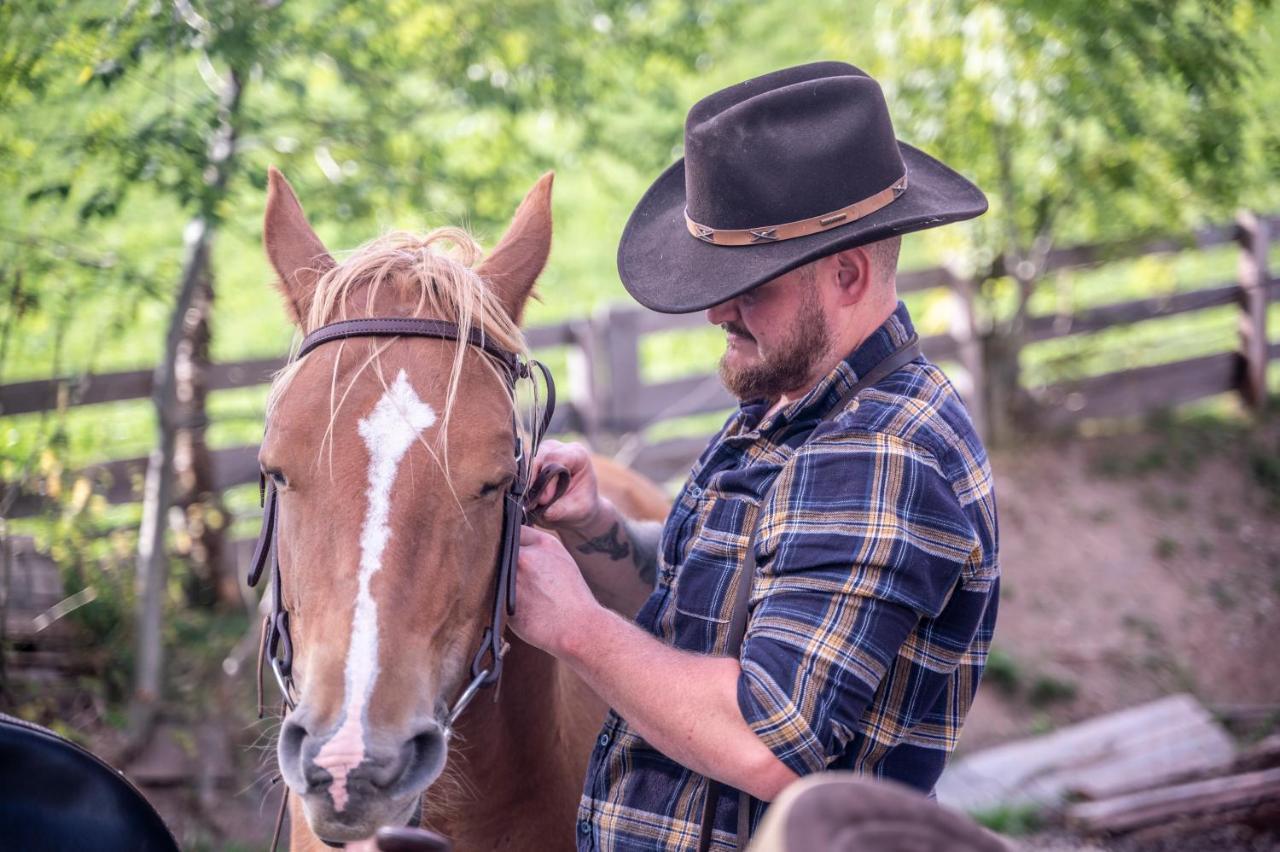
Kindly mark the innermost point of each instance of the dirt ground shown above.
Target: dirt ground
(1134, 566)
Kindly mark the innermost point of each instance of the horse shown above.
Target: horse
(389, 459)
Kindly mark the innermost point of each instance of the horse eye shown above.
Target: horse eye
(497, 485)
(277, 476)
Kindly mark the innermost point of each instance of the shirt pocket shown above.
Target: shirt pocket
(705, 584)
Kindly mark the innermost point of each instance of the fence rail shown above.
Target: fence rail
(608, 400)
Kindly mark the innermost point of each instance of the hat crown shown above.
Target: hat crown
(787, 146)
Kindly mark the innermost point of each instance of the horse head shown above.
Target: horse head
(390, 458)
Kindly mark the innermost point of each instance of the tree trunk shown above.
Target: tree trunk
(198, 515)
(1003, 399)
(153, 567)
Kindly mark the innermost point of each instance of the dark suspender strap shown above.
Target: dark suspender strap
(897, 359)
(894, 361)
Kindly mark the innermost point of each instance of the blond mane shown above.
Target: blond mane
(435, 274)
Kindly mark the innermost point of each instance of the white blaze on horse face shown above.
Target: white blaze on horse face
(388, 431)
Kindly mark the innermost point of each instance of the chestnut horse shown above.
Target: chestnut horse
(390, 458)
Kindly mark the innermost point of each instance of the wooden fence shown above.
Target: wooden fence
(606, 398)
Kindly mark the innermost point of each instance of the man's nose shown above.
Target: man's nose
(726, 311)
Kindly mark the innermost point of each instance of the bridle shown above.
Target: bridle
(276, 645)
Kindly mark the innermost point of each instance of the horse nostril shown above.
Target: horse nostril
(426, 752)
(292, 736)
(410, 766)
(292, 751)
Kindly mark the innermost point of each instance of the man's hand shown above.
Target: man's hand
(684, 704)
(618, 557)
(552, 598)
(580, 504)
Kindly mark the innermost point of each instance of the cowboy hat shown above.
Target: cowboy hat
(779, 171)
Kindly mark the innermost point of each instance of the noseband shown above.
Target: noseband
(276, 647)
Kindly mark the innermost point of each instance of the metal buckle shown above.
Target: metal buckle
(284, 682)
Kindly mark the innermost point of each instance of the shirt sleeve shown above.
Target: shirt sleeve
(862, 538)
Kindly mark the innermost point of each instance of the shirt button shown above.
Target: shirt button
(604, 740)
(584, 826)
(695, 491)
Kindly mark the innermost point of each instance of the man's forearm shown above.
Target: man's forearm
(683, 704)
(618, 557)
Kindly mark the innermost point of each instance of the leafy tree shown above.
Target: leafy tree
(172, 111)
(1081, 122)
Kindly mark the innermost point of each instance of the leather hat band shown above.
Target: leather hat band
(802, 228)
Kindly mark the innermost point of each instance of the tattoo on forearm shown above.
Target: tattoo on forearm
(609, 543)
(645, 536)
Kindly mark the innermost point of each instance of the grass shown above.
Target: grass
(1003, 672)
(1047, 690)
(1010, 820)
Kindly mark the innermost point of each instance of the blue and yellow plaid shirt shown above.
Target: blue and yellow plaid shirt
(872, 607)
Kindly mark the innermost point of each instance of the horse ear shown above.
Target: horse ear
(517, 260)
(292, 246)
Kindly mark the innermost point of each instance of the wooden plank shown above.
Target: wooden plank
(1092, 254)
(940, 347)
(42, 394)
(1197, 749)
(699, 394)
(120, 481)
(915, 280)
(649, 322)
(1226, 795)
(666, 459)
(1048, 327)
(703, 393)
(1264, 754)
(1041, 770)
(1134, 392)
(553, 334)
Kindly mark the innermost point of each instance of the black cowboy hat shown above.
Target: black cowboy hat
(780, 171)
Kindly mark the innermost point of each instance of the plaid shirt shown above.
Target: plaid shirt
(872, 607)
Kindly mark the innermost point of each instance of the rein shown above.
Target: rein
(276, 645)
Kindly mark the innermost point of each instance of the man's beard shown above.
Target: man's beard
(790, 366)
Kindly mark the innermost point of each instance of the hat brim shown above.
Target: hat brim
(667, 269)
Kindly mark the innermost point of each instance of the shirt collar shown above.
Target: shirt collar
(891, 334)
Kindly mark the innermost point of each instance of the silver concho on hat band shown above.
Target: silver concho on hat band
(803, 227)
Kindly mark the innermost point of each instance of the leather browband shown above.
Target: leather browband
(409, 326)
(800, 228)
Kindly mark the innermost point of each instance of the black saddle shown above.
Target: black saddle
(55, 795)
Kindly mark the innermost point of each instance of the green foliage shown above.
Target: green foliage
(1003, 672)
(1047, 689)
(1010, 820)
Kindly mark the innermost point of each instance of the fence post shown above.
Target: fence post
(969, 350)
(584, 381)
(618, 339)
(1252, 234)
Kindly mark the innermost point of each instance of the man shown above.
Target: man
(873, 596)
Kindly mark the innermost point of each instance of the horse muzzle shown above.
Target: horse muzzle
(351, 783)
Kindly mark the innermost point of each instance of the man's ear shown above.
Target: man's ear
(853, 274)
(292, 246)
(517, 260)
